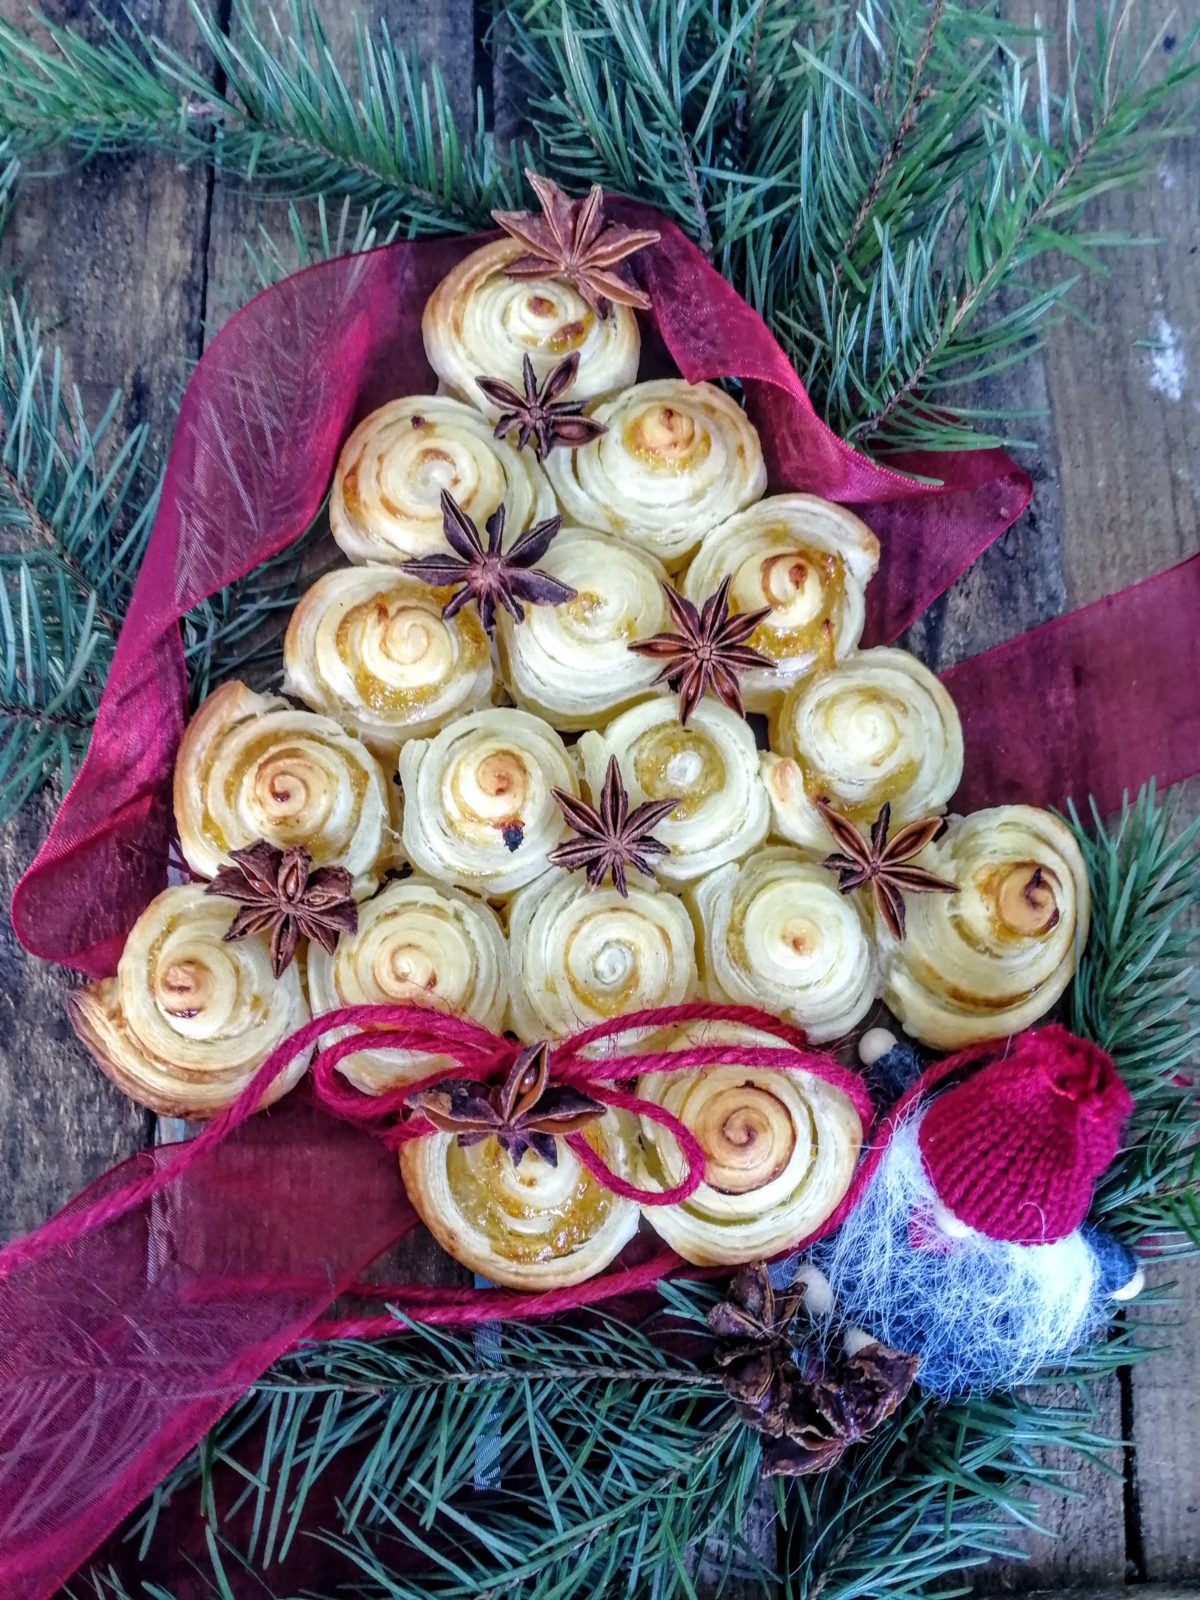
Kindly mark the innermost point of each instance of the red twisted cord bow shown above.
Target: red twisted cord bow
(485, 1056)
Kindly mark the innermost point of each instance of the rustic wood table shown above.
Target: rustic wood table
(129, 263)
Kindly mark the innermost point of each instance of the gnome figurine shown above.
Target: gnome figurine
(969, 1245)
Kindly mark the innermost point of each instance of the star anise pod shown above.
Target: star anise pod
(491, 575)
(570, 240)
(809, 1406)
(280, 893)
(525, 1112)
(707, 653)
(539, 413)
(610, 837)
(882, 862)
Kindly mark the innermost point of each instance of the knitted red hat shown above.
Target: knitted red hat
(1015, 1150)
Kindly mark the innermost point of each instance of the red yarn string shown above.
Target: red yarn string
(484, 1056)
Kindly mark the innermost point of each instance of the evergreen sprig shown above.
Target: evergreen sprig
(76, 504)
(619, 1461)
(1136, 993)
(275, 108)
(870, 176)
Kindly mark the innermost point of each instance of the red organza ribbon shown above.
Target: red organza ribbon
(134, 1319)
(1094, 703)
(259, 430)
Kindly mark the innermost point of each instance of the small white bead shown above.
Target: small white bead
(818, 1296)
(857, 1339)
(1131, 1290)
(949, 1224)
(874, 1045)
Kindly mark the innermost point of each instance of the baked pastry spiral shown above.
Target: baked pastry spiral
(991, 959)
(571, 663)
(677, 459)
(478, 807)
(250, 766)
(806, 559)
(189, 1019)
(710, 766)
(370, 648)
(583, 955)
(778, 934)
(780, 1149)
(386, 499)
(529, 1225)
(480, 323)
(417, 943)
(878, 727)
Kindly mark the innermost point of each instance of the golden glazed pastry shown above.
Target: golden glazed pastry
(529, 1225)
(189, 1019)
(571, 663)
(583, 955)
(250, 766)
(678, 458)
(878, 727)
(780, 1149)
(778, 934)
(417, 943)
(478, 807)
(480, 323)
(806, 559)
(370, 648)
(710, 766)
(991, 959)
(386, 499)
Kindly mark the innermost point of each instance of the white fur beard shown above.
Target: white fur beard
(980, 1313)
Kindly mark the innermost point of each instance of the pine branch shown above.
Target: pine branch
(904, 126)
(75, 510)
(1136, 994)
(275, 109)
(403, 1423)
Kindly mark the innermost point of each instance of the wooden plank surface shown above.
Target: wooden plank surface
(120, 257)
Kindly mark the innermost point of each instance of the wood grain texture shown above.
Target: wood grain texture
(113, 258)
(1166, 1417)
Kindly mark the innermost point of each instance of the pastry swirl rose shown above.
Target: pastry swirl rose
(417, 943)
(710, 766)
(529, 1226)
(386, 500)
(991, 959)
(582, 955)
(877, 727)
(778, 934)
(480, 323)
(572, 663)
(806, 559)
(369, 647)
(478, 807)
(189, 1019)
(677, 459)
(251, 767)
(779, 1152)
